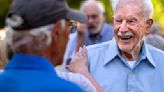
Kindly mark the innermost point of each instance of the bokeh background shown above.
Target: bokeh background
(158, 10)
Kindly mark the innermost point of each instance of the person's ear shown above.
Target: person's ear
(56, 29)
(149, 24)
(60, 35)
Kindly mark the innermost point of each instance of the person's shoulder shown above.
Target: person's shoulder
(157, 54)
(99, 46)
(108, 26)
(78, 79)
(8, 80)
(1, 70)
(68, 86)
(155, 50)
(158, 58)
(6, 74)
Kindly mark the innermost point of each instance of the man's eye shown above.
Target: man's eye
(119, 21)
(132, 21)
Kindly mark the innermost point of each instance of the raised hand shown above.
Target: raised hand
(79, 63)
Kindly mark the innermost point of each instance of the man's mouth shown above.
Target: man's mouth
(92, 27)
(127, 37)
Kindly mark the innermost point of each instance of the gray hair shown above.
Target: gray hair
(88, 2)
(34, 39)
(113, 3)
(147, 7)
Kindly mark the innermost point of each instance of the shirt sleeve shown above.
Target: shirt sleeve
(78, 79)
(70, 49)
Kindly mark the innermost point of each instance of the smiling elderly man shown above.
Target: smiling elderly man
(127, 63)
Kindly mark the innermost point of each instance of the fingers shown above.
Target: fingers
(79, 62)
(85, 51)
(82, 51)
(80, 56)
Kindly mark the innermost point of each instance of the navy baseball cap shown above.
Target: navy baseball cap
(36, 13)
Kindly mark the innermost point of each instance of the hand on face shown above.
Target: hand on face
(79, 62)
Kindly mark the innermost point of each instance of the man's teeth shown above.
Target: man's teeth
(125, 37)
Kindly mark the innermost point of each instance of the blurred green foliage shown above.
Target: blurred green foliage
(4, 5)
(158, 10)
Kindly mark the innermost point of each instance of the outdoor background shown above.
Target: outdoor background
(158, 10)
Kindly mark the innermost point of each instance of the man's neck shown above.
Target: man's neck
(132, 55)
(94, 35)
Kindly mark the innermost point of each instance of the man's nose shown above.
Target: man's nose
(123, 26)
(90, 20)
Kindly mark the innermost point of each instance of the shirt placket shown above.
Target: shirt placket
(132, 82)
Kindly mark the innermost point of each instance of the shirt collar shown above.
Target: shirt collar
(146, 52)
(113, 50)
(25, 61)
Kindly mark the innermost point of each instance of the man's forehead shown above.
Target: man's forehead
(128, 9)
(130, 3)
(136, 2)
(92, 10)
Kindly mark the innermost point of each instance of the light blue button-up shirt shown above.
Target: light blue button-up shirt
(105, 35)
(114, 74)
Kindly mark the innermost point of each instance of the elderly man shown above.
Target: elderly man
(32, 34)
(127, 63)
(95, 31)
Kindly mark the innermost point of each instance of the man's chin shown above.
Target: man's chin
(93, 31)
(126, 49)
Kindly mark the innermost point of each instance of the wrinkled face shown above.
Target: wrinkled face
(130, 26)
(95, 18)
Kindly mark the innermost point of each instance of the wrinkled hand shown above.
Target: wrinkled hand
(79, 63)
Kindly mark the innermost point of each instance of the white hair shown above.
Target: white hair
(147, 7)
(114, 3)
(88, 2)
(18, 38)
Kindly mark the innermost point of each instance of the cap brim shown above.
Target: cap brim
(76, 15)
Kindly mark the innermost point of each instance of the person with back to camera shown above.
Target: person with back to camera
(32, 30)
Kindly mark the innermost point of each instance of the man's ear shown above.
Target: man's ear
(56, 29)
(149, 24)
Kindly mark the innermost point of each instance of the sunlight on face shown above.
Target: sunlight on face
(129, 27)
